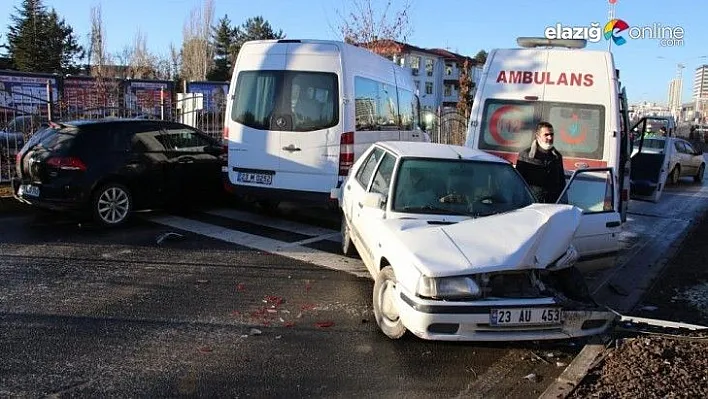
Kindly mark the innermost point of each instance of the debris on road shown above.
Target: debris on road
(170, 235)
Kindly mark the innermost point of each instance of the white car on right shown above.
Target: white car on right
(682, 158)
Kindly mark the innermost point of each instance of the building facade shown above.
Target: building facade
(700, 94)
(675, 90)
(436, 72)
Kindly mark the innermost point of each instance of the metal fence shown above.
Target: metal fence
(446, 127)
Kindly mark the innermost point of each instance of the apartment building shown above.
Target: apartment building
(436, 72)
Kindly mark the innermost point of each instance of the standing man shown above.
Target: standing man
(541, 165)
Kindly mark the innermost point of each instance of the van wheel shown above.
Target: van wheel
(699, 176)
(385, 308)
(112, 204)
(347, 244)
(675, 175)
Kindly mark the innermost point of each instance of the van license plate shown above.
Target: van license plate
(525, 316)
(258, 178)
(28, 190)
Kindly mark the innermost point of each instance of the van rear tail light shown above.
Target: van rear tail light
(625, 195)
(608, 204)
(225, 141)
(67, 163)
(346, 153)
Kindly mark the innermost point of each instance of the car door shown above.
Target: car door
(194, 158)
(593, 191)
(355, 190)
(145, 165)
(695, 156)
(370, 218)
(688, 160)
(650, 166)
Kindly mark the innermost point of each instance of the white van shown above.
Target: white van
(301, 112)
(579, 92)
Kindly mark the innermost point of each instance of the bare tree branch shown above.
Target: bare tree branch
(374, 27)
(197, 49)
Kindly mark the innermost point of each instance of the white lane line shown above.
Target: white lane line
(298, 252)
(285, 225)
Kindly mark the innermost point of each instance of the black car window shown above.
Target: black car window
(147, 139)
(367, 169)
(184, 139)
(58, 140)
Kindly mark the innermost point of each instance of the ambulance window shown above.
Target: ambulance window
(579, 129)
(507, 125)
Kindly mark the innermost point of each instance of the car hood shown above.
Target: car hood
(529, 238)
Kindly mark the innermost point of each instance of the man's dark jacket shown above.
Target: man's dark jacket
(543, 171)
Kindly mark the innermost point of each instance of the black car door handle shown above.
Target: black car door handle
(291, 148)
(185, 160)
(612, 224)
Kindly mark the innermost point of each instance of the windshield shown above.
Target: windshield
(458, 187)
(286, 100)
(508, 125)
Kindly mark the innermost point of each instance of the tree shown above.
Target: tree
(40, 41)
(464, 105)
(197, 50)
(481, 57)
(375, 28)
(224, 37)
(255, 28)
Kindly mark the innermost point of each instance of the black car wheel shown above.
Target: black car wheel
(112, 204)
(675, 175)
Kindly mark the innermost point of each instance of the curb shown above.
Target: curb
(648, 263)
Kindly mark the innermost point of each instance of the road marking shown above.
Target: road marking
(285, 225)
(290, 250)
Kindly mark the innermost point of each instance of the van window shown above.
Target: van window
(376, 105)
(508, 125)
(408, 107)
(307, 101)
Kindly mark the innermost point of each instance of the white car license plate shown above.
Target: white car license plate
(28, 190)
(258, 178)
(525, 316)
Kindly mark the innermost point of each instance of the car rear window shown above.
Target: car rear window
(58, 139)
(508, 125)
(296, 101)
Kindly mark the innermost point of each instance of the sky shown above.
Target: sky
(463, 26)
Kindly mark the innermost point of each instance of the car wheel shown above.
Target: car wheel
(699, 176)
(112, 204)
(347, 244)
(385, 308)
(675, 175)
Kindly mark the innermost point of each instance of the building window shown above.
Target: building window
(415, 65)
(448, 90)
(448, 69)
(429, 66)
(428, 87)
(416, 83)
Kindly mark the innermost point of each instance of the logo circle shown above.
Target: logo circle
(494, 122)
(614, 26)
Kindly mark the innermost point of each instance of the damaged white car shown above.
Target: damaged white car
(459, 250)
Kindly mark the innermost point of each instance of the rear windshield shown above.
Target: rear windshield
(286, 100)
(57, 139)
(508, 125)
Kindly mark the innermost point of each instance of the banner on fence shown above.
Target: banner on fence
(26, 92)
(214, 94)
(146, 97)
(90, 95)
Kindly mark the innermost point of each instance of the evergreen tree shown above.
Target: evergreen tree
(224, 36)
(481, 57)
(255, 28)
(40, 41)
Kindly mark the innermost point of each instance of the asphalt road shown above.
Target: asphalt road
(231, 308)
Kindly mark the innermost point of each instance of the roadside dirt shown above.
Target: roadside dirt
(656, 366)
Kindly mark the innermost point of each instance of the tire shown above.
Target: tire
(385, 310)
(675, 175)
(348, 248)
(112, 204)
(698, 178)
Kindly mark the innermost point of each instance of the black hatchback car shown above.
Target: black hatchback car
(112, 167)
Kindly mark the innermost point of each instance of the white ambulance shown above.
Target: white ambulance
(301, 112)
(579, 92)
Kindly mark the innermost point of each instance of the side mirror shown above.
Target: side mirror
(374, 200)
